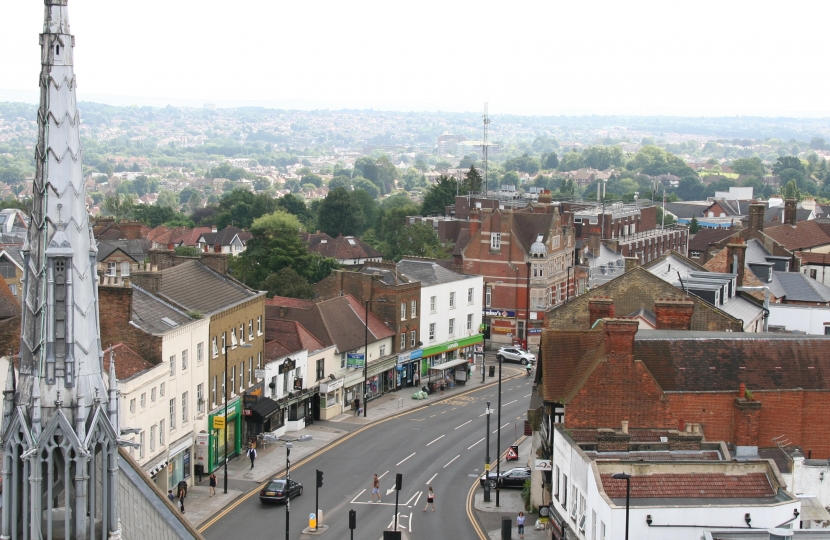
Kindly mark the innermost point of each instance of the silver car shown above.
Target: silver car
(516, 354)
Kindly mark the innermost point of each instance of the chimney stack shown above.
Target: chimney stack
(674, 314)
(735, 261)
(475, 223)
(600, 307)
(594, 242)
(624, 426)
(631, 263)
(756, 216)
(790, 212)
(619, 338)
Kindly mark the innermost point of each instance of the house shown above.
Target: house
(116, 257)
(108, 229)
(341, 322)
(230, 240)
(700, 244)
(347, 250)
(167, 237)
(811, 236)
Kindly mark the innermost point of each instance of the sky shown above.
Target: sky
(530, 57)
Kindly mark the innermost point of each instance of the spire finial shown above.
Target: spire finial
(58, 402)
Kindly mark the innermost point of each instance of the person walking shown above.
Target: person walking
(170, 495)
(182, 494)
(357, 406)
(252, 455)
(520, 521)
(430, 499)
(212, 482)
(376, 488)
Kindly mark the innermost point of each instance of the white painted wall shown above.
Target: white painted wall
(809, 319)
(442, 313)
(811, 479)
(822, 272)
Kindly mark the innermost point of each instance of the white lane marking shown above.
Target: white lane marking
(453, 459)
(390, 491)
(404, 459)
(481, 415)
(384, 474)
(509, 402)
(415, 504)
(407, 503)
(504, 426)
(356, 496)
(475, 443)
(438, 439)
(464, 424)
(431, 479)
(528, 395)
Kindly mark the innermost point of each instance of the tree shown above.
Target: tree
(439, 196)
(749, 166)
(603, 157)
(571, 162)
(413, 178)
(365, 185)
(275, 244)
(390, 229)
(287, 282)
(241, 207)
(817, 143)
(550, 161)
(510, 178)
(791, 191)
(153, 216)
(311, 178)
(118, 206)
(340, 181)
(340, 214)
(523, 163)
(167, 199)
(296, 206)
(420, 240)
(694, 226)
(472, 181)
(368, 205)
(787, 162)
(187, 193)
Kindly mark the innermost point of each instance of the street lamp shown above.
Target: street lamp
(244, 346)
(366, 358)
(627, 478)
(288, 447)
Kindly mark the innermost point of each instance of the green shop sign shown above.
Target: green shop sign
(452, 345)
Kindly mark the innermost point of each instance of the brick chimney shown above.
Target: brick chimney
(631, 263)
(217, 248)
(747, 422)
(594, 242)
(756, 216)
(673, 313)
(475, 223)
(619, 337)
(790, 212)
(600, 308)
(131, 229)
(735, 261)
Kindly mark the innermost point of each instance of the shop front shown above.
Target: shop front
(331, 398)
(300, 408)
(409, 369)
(501, 326)
(179, 465)
(382, 377)
(451, 351)
(264, 416)
(219, 425)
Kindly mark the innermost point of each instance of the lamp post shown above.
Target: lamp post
(288, 447)
(244, 346)
(487, 457)
(498, 438)
(627, 478)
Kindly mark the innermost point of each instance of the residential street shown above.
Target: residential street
(441, 445)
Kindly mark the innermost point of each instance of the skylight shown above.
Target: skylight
(169, 322)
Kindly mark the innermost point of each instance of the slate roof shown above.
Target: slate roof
(428, 272)
(690, 486)
(687, 210)
(805, 235)
(148, 311)
(225, 236)
(733, 208)
(801, 288)
(461, 242)
(196, 287)
(343, 248)
(527, 227)
(776, 215)
(136, 249)
(128, 363)
(706, 237)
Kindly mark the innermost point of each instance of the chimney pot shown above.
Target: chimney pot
(625, 426)
(741, 390)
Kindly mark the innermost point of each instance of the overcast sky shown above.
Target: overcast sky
(724, 57)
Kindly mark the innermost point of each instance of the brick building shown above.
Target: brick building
(742, 388)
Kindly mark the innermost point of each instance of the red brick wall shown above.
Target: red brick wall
(115, 314)
(674, 314)
(747, 422)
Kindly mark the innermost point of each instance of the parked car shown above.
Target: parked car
(276, 492)
(516, 354)
(514, 478)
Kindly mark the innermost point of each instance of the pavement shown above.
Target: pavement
(201, 507)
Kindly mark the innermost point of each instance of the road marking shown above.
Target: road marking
(384, 474)
(432, 416)
(528, 395)
(481, 415)
(509, 402)
(404, 459)
(439, 438)
(475, 443)
(356, 496)
(464, 424)
(443, 412)
(453, 459)
(418, 499)
(504, 426)
(431, 479)
(413, 496)
(390, 491)
(454, 408)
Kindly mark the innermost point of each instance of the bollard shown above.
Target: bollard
(319, 517)
(312, 521)
(506, 528)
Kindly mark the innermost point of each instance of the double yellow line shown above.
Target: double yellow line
(328, 447)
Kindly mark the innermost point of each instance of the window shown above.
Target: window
(161, 432)
(141, 443)
(274, 389)
(451, 327)
(125, 269)
(321, 370)
(152, 438)
(555, 242)
(224, 381)
(403, 340)
(538, 270)
(432, 304)
(199, 352)
(143, 400)
(564, 491)
(153, 394)
(601, 530)
(234, 343)
(251, 330)
(470, 295)
(233, 378)
(259, 360)
(452, 300)
(413, 338)
(213, 391)
(342, 360)
(556, 483)
(403, 311)
(285, 383)
(414, 311)
(241, 376)
(813, 274)
(382, 351)
(495, 240)
(242, 333)
(200, 397)
(250, 370)
(432, 331)
(13, 289)
(470, 322)
(172, 414)
(161, 390)
(215, 347)
(111, 269)
(487, 297)
(184, 408)
(259, 325)
(173, 365)
(184, 359)
(132, 405)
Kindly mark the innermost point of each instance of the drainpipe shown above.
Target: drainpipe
(765, 289)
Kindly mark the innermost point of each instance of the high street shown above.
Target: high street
(441, 445)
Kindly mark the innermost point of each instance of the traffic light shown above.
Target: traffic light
(352, 519)
(319, 479)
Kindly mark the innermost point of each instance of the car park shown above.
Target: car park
(276, 491)
(515, 354)
(514, 478)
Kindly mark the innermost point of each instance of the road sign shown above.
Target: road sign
(489, 411)
(259, 373)
(218, 422)
(487, 467)
(247, 412)
(513, 453)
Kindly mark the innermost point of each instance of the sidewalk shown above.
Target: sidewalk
(270, 461)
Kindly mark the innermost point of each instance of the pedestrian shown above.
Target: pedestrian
(520, 521)
(182, 494)
(376, 488)
(252, 455)
(357, 406)
(212, 480)
(430, 499)
(442, 388)
(170, 495)
(200, 471)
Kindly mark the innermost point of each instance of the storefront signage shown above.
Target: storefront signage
(247, 412)
(533, 331)
(543, 465)
(218, 422)
(452, 345)
(499, 313)
(202, 449)
(259, 373)
(331, 386)
(408, 357)
(253, 394)
(501, 329)
(354, 360)
(287, 366)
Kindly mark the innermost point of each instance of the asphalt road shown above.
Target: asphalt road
(441, 445)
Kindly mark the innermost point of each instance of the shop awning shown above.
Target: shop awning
(264, 409)
(382, 365)
(812, 509)
(450, 364)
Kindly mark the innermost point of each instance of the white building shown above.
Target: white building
(675, 494)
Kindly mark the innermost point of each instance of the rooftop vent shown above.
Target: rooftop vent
(169, 322)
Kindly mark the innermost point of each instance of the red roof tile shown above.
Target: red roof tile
(692, 486)
(128, 363)
(806, 234)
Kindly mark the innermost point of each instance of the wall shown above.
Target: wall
(114, 305)
(443, 313)
(808, 319)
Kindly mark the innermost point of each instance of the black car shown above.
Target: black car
(514, 478)
(275, 491)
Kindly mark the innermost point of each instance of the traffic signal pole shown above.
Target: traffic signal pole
(317, 498)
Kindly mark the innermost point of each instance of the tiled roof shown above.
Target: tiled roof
(345, 247)
(136, 249)
(461, 242)
(128, 363)
(687, 210)
(581, 350)
(528, 226)
(428, 272)
(690, 486)
(806, 234)
(148, 311)
(807, 257)
(705, 237)
(194, 286)
(801, 288)
(288, 336)
(9, 307)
